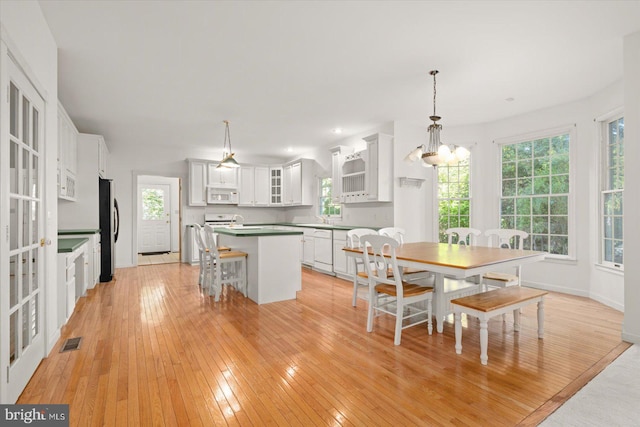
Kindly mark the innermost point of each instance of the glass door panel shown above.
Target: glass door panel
(21, 288)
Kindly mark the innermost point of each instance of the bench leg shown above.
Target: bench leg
(516, 320)
(484, 341)
(458, 328)
(541, 318)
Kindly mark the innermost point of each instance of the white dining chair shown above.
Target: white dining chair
(405, 301)
(509, 239)
(204, 278)
(360, 279)
(229, 267)
(462, 235)
(408, 274)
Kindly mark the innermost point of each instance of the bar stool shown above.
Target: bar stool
(229, 267)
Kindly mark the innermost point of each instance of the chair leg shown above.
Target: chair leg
(372, 304)
(429, 313)
(398, 333)
(355, 290)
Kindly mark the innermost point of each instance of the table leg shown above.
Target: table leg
(439, 311)
(484, 341)
(458, 327)
(516, 320)
(541, 318)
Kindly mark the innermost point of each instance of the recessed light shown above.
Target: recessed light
(510, 99)
(337, 131)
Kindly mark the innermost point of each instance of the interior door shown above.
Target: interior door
(22, 261)
(154, 222)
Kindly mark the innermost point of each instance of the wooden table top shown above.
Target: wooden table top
(456, 256)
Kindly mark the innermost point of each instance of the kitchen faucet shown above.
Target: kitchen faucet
(235, 218)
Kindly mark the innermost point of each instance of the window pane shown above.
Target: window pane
(541, 224)
(509, 187)
(608, 250)
(617, 227)
(508, 153)
(524, 168)
(152, 204)
(558, 245)
(608, 227)
(14, 115)
(541, 167)
(525, 186)
(540, 205)
(524, 150)
(560, 164)
(559, 205)
(523, 206)
(541, 147)
(560, 184)
(509, 170)
(559, 225)
(507, 206)
(560, 144)
(617, 251)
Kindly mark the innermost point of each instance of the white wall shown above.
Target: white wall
(26, 33)
(631, 326)
(579, 276)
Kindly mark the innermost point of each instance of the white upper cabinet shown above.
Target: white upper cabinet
(367, 175)
(254, 186)
(67, 156)
(337, 158)
(222, 177)
(298, 183)
(379, 168)
(197, 182)
(275, 187)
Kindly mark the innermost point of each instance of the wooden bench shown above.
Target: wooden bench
(492, 303)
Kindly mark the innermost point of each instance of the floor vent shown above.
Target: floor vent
(71, 344)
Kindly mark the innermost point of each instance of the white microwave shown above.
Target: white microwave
(223, 196)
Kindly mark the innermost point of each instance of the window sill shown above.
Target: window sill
(612, 270)
(565, 261)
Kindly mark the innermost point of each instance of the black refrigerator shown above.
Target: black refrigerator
(109, 227)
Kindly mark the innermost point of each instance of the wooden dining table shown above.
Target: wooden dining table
(458, 261)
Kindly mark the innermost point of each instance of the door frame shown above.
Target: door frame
(135, 181)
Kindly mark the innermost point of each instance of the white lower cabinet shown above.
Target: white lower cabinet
(73, 275)
(191, 245)
(340, 260)
(308, 250)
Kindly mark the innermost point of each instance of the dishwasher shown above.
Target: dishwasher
(323, 248)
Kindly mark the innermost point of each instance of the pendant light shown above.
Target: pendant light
(227, 156)
(437, 153)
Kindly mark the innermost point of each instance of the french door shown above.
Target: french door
(154, 223)
(21, 220)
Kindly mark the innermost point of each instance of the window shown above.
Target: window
(535, 191)
(454, 201)
(612, 184)
(152, 204)
(326, 205)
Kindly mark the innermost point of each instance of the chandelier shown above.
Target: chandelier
(227, 156)
(437, 153)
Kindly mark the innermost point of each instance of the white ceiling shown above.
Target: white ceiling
(166, 73)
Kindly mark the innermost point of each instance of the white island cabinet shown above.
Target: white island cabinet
(273, 261)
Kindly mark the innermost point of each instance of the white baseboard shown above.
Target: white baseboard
(632, 338)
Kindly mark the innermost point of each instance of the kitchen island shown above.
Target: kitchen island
(273, 261)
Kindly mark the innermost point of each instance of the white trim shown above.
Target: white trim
(535, 134)
(608, 269)
(573, 142)
(602, 122)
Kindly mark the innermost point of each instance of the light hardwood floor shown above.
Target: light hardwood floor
(156, 351)
(166, 258)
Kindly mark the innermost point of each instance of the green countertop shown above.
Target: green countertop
(306, 225)
(70, 245)
(78, 231)
(254, 232)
